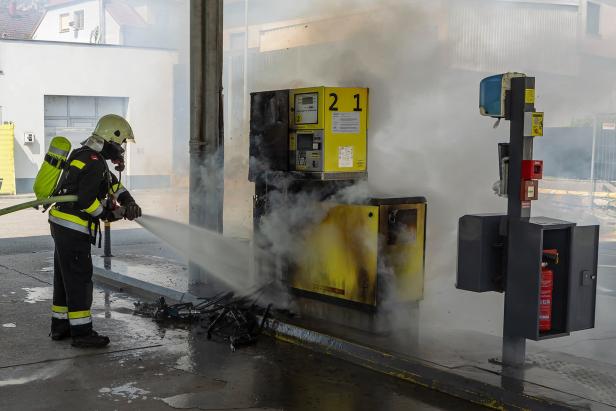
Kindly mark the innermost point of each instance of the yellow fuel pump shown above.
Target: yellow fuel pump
(316, 138)
(329, 131)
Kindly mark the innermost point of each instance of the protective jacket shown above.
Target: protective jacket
(88, 177)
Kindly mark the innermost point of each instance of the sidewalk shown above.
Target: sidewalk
(578, 372)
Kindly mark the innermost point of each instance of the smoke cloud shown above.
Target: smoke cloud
(425, 135)
(423, 61)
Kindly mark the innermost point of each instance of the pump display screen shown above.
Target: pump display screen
(305, 142)
(307, 108)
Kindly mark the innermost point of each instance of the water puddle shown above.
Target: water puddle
(38, 294)
(214, 401)
(9, 377)
(128, 391)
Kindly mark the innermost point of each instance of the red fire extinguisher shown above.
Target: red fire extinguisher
(546, 289)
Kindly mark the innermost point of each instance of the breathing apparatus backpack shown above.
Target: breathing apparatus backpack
(48, 175)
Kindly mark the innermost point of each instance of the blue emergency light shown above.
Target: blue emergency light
(492, 94)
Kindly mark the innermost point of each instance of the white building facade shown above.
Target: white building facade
(47, 88)
(75, 22)
(93, 21)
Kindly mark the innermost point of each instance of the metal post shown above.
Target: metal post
(107, 251)
(520, 148)
(514, 350)
(107, 304)
(592, 162)
(107, 239)
(206, 135)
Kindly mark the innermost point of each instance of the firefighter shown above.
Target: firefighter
(75, 227)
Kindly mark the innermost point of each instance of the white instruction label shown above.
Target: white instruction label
(609, 126)
(345, 156)
(345, 122)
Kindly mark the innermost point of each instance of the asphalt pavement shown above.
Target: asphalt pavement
(159, 368)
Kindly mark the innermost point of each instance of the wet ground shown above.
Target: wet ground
(456, 330)
(156, 368)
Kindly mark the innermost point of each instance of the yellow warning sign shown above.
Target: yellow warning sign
(537, 124)
(7, 159)
(529, 96)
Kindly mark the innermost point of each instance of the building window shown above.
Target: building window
(78, 20)
(65, 20)
(593, 17)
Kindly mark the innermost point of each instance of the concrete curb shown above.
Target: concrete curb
(139, 288)
(489, 393)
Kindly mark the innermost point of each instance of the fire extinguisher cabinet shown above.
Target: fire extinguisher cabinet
(505, 253)
(574, 277)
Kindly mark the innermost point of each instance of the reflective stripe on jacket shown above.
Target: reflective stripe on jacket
(70, 221)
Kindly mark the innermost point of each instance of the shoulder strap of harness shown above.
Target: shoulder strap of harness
(65, 168)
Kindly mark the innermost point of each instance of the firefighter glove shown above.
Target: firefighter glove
(132, 211)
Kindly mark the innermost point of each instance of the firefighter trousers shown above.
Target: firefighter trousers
(72, 282)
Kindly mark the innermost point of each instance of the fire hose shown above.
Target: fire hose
(36, 203)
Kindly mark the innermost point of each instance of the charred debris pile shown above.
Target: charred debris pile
(237, 321)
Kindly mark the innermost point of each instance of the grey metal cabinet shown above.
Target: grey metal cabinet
(481, 267)
(583, 278)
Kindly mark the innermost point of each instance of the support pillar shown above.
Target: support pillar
(206, 179)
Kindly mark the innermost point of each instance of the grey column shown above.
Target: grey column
(206, 128)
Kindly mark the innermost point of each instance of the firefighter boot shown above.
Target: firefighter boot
(60, 329)
(92, 340)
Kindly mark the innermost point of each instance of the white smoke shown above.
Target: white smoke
(423, 61)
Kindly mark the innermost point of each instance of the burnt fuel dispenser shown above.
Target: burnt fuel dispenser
(546, 268)
(306, 145)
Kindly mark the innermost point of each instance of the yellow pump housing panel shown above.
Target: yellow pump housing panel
(345, 253)
(340, 255)
(329, 129)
